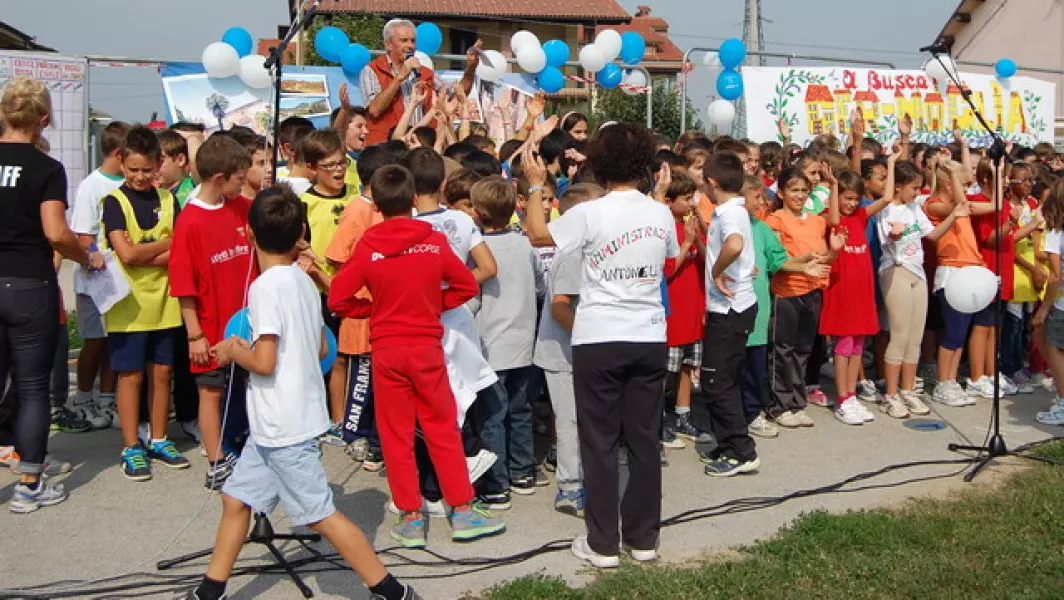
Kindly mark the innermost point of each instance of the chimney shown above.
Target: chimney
(642, 10)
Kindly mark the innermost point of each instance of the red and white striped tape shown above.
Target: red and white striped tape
(624, 86)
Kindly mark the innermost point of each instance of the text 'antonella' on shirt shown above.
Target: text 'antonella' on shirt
(9, 175)
(416, 249)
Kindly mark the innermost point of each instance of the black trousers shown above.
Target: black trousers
(752, 380)
(186, 392)
(618, 394)
(724, 348)
(29, 311)
(792, 334)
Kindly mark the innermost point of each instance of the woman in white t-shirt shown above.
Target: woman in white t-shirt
(901, 227)
(618, 337)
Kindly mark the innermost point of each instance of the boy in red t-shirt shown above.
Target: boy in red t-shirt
(210, 268)
(685, 275)
(408, 365)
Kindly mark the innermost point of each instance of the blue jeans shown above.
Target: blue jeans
(1012, 343)
(489, 412)
(521, 385)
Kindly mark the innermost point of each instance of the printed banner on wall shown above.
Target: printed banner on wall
(816, 100)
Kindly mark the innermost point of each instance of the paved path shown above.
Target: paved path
(111, 526)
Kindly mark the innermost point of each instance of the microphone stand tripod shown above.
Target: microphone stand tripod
(995, 445)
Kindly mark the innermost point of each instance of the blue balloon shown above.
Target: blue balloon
(730, 84)
(239, 39)
(330, 356)
(610, 76)
(429, 38)
(354, 58)
(550, 80)
(1005, 68)
(330, 43)
(633, 47)
(239, 325)
(732, 53)
(557, 53)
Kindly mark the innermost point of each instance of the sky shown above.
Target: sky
(179, 30)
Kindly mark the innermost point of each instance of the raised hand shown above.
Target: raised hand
(664, 181)
(535, 170)
(837, 241)
(784, 128)
(826, 175)
(345, 98)
(905, 125)
(690, 230)
(535, 105)
(473, 56)
(544, 128)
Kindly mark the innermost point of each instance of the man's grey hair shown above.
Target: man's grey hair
(391, 26)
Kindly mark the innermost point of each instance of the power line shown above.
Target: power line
(777, 44)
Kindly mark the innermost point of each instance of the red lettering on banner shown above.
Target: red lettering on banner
(849, 80)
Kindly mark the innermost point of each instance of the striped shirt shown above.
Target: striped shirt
(370, 86)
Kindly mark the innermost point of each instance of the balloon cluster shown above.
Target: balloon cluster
(232, 57)
(547, 59)
(332, 44)
(730, 55)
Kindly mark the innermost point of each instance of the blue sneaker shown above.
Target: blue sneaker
(570, 503)
(729, 467)
(166, 452)
(334, 436)
(135, 464)
(474, 522)
(410, 533)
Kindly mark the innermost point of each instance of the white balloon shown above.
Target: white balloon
(941, 70)
(523, 39)
(220, 60)
(532, 59)
(721, 113)
(711, 60)
(424, 59)
(592, 59)
(634, 78)
(253, 73)
(971, 289)
(608, 41)
(497, 68)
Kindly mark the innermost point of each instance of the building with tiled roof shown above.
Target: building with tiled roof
(663, 57)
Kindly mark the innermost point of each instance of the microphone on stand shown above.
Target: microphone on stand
(936, 48)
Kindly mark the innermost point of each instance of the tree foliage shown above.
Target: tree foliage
(362, 27)
(616, 105)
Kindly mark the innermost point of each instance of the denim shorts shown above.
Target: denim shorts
(1055, 328)
(132, 351)
(291, 475)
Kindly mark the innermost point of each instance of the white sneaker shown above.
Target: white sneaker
(479, 464)
(584, 552)
(983, 388)
(894, 407)
(643, 555)
(436, 510)
(88, 411)
(847, 413)
(866, 414)
(1006, 385)
(763, 428)
(951, 393)
(867, 392)
(192, 430)
(1053, 417)
(914, 403)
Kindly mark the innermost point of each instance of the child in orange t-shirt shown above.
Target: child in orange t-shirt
(358, 216)
(798, 297)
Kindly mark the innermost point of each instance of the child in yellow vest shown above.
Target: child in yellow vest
(325, 153)
(138, 219)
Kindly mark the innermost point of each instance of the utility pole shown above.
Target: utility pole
(754, 39)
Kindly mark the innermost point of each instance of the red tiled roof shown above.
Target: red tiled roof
(655, 32)
(818, 93)
(934, 97)
(573, 10)
(866, 96)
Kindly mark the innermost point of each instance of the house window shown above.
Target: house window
(461, 41)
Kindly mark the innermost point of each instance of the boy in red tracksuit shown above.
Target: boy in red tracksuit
(409, 373)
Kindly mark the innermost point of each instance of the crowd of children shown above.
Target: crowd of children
(698, 294)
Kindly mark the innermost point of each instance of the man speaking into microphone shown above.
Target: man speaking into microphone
(388, 82)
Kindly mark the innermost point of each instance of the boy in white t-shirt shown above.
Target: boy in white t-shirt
(286, 408)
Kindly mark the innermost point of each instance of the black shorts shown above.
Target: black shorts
(218, 378)
(331, 320)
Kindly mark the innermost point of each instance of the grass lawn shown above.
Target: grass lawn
(1004, 543)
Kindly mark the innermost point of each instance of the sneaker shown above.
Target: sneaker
(474, 522)
(8, 456)
(408, 594)
(788, 420)
(166, 452)
(894, 407)
(194, 595)
(1046, 381)
(191, 430)
(1024, 381)
(551, 462)
(358, 450)
(409, 531)
(334, 436)
(1054, 417)
(1006, 385)
(918, 384)
(983, 388)
(90, 413)
(479, 464)
(817, 397)
(952, 394)
(763, 428)
(135, 464)
(847, 412)
(374, 461)
(526, 486)
(583, 551)
(725, 466)
(669, 438)
(25, 500)
(914, 403)
(570, 503)
(112, 413)
(685, 429)
(499, 501)
(434, 509)
(803, 418)
(642, 555)
(67, 421)
(219, 472)
(867, 392)
(52, 467)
